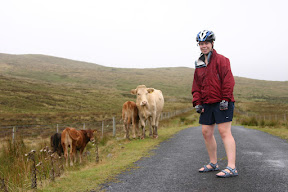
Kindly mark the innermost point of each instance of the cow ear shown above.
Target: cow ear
(133, 91)
(150, 90)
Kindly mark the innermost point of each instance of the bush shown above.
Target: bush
(250, 121)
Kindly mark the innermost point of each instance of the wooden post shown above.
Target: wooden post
(13, 134)
(2, 185)
(57, 128)
(96, 151)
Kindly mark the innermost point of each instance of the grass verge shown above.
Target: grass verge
(281, 132)
(117, 155)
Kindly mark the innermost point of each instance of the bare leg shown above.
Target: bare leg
(211, 145)
(229, 144)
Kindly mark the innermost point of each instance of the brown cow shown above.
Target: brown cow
(130, 115)
(150, 103)
(76, 140)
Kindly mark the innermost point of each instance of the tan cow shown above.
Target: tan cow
(150, 103)
(76, 140)
(130, 115)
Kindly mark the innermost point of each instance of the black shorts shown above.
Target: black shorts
(212, 114)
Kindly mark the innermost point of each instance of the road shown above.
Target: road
(262, 163)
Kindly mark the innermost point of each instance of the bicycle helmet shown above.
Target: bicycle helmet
(205, 35)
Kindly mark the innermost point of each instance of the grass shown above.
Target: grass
(281, 132)
(56, 90)
(116, 156)
(44, 86)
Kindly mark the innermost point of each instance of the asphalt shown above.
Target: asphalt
(262, 163)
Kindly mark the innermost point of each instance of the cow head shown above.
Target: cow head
(141, 92)
(90, 135)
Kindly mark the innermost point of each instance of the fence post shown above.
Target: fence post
(114, 127)
(84, 126)
(102, 128)
(57, 128)
(2, 185)
(13, 134)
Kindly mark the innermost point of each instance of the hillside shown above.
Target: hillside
(45, 86)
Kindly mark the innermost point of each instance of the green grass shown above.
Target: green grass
(39, 89)
(122, 156)
(281, 132)
(49, 86)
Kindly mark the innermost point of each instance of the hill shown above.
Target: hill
(40, 87)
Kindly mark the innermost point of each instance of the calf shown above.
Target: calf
(150, 103)
(130, 115)
(76, 140)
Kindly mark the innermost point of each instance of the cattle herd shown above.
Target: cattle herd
(148, 107)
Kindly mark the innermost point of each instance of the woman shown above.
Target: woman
(213, 98)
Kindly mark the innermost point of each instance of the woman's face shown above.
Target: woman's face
(205, 47)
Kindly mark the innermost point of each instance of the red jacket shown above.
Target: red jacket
(214, 82)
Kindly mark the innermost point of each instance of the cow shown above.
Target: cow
(76, 140)
(55, 142)
(150, 103)
(130, 115)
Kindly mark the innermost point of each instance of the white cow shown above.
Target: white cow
(150, 103)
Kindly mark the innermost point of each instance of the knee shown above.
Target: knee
(225, 134)
(207, 134)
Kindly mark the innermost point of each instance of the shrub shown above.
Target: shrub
(251, 121)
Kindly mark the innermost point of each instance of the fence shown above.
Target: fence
(112, 125)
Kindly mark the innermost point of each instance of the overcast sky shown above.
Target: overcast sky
(253, 34)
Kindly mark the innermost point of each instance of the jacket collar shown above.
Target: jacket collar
(200, 62)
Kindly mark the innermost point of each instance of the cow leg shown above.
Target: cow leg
(143, 128)
(71, 155)
(128, 127)
(136, 128)
(154, 127)
(65, 149)
(75, 155)
(81, 152)
(133, 126)
(150, 126)
(124, 129)
(127, 131)
(133, 129)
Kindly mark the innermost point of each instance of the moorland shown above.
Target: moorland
(41, 89)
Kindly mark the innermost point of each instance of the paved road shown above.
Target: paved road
(262, 162)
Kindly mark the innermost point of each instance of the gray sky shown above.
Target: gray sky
(151, 33)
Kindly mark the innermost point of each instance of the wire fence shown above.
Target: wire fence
(113, 125)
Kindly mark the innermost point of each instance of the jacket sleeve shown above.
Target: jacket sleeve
(227, 79)
(196, 91)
